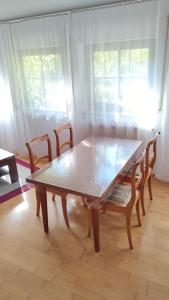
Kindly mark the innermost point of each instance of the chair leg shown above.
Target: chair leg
(37, 205)
(149, 188)
(142, 201)
(64, 207)
(89, 218)
(128, 228)
(84, 201)
(104, 209)
(53, 197)
(138, 212)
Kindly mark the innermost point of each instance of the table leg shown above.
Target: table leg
(42, 196)
(13, 170)
(96, 233)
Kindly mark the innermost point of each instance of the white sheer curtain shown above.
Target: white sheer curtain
(162, 170)
(95, 68)
(113, 66)
(38, 76)
(7, 116)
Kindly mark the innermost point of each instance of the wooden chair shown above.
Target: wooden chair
(124, 197)
(34, 160)
(150, 159)
(151, 154)
(61, 145)
(126, 178)
(34, 164)
(58, 132)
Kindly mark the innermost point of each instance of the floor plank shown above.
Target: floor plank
(63, 264)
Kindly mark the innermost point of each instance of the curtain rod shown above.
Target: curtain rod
(63, 12)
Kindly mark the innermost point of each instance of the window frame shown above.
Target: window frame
(119, 46)
(44, 51)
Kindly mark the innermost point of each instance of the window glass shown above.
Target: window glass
(118, 72)
(43, 80)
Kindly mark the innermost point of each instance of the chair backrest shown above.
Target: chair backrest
(34, 160)
(151, 154)
(137, 180)
(58, 132)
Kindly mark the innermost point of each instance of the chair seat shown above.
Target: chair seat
(121, 194)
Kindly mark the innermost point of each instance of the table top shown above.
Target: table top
(89, 168)
(5, 154)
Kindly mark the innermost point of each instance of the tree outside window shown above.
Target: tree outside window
(118, 74)
(43, 80)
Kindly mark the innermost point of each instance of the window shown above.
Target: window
(120, 72)
(43, 79)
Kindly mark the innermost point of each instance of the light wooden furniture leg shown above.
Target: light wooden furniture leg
(138, 213)
(95, 223)
(89, 218)
(64, 207)
(53, 197)
(42, 196)
(84, 201)
(149, 188)
(38, 203)
(128, 227)
(142, 201)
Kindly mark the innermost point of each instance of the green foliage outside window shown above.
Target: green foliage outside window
(43, 80)
(115, 71)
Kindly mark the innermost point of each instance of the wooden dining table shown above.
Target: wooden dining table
(89, 169)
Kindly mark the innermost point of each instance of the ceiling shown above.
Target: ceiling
(11, 9)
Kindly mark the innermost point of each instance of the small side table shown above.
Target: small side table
(8, 159)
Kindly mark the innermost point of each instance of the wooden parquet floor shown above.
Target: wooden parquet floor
(63, 264)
